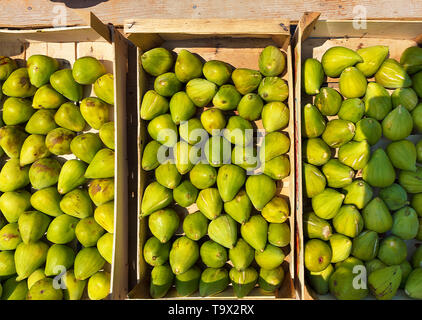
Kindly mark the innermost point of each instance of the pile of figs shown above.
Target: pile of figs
(362, 152)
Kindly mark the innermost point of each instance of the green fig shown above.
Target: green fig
(161, 281)
(379, 171)
(270, 280)
(417, 83)
(230, 179)
(201, 91)
(275, 144)
(348, 221)
(58, 141)
(342, 285)
(104, 216)
(255, 232)
(77, 203)
(276, 210)
(338, 132)
(10, 236)
(203, 176)
(102, 165)
(188, 66)
(394, 196)
(216, 71)
(405, 223)
(406, 269)
(18, 84)
(7, 263)
(250, 106)
(213, 120)
(275, 116)
(241, 255)
(341, 246)
(368, 129)
(243, 281)
(99, 285)
(17, 111)
(316, 151)
(391, 75)
(209, 202)
(338, 58)
(88, 261)
(195, 225)
(87, 69)
(313, 180)
(44, 173)
(246, 80)
(376, 216)
(246, 158)
(47, 201)
(152, 105)
(409, 180)
(13, 176)
(105, 246)
(163, 224)
(62, 81)
(163, 130)
(416, 203)
(355, 154)
(312, 76)
(32, 225)
(273, 89)
(411, 60)
(106, 134)
(313, 122)
(94, 111)
(392, 251)
(47, 98)
(358, 193)
(373, 265)
(373, 57)
(239, 208)
(319, 280)
(157, 61)
(41, 122)
(69, 117)
(413, 286)
(88, 231)
(271, 61)
(213, 255)
(398, 124)
(352, 83)
(366, 245)
(223, 230)
(59, 258)
(155, 197)
(315, 227)
(328, 101)
(213, 281)
(337, 174)
(383, 283)
(192, 131)
(183, 255)
(29, 257)
(181, 107)
(14, 290)
(217, 151)
(270, 258)
(279, 234)
(155, 252)
(402, 154)
(185, 156)
(417, 258)
(327, 203)
(167, 175)
(350, 263)
(33, 149)
(11, 140)
(85, 146)
(416, 116)
(277, 168)
(104, 88)
(405, 97)
(62, 229)
(317, 255)
(14, 203)
(7, 66)
(40, 68)
(238, 131)
(71, 176)
(377, 101)
(185, 194)
(226, 98)
(352, 110)
(260, 190)
(101, 191)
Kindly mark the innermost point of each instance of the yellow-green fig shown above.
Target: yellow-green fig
(155, 197)
(348, 221)
(392, 75)
(368, 129)
(104, 88)
(243, 281)
(88, 261)
(315, 227)
(405, 97)
(384, 283)
(59, 258)
(341, 246)
(18, 84)
(29, 257)
(47, 97)
(405, 223)
(366, 245)
(77, 203)
(161, 281)
(47, 201)
(273, 89)
(213, 119)
(101, 190)
(377, 101)
(7, 264)
(241, 255)
(373, 57)
(58, 141)
(217, 151)
(393, 250)
(276, 210)
(62, 229)
(7, 66)
(32, 225)
(255, 232)
(99, 285)
(417, 115)
(245, 157)
(188, 66)
(14, 203)
(246, 80)
(213, 281)
(316, 151)
(181, 107)
(270, 258)
(352, 83)
(13, 176)
(239, 208)
(250, 106)
(341, 285)
(312, 76)
(44, 289)
(11, 140)
(10, 237)
(417, 83)
(163, 224)
(398, 124)
(358, 193)
(41, 122)
(279, 234)
(62, 81)
(338, 132)
(85, 146)
(411, 60)
(313, 121)
(183, 255)
(337, 174)
(157, 61)
(319, 280)
(40, 68)
(187, 283)
(33, 149)
(163, 130)
(275, 144)
(17, 111)
(87, 69)
(104, 216)
(185, 194)
(402, 154)
(106, 134)
(413, 286)
(209, 202)
(185, 156)
(271, 61)
(355, 154)
(394, 196)
(313, 179)
(155, 252)
(275, 116)
(14, 290)
(153, 105)
(277, 168)
(201, 91)
(352, 110)
(223, 230)
(338, 58)
(226, 98)
(44, 173)
(260, 190)
(94, 111)
(167, 175)
(192, 131)
(102, 165)
(88, 231)
(195, 225)
(217, 71)
(328, 101)
(230, 179)
(327, 203)
(373, 265)
(317, 255)
(270, 280)
(411, 181)
(69, 116)
(213, 255)
(35, 276)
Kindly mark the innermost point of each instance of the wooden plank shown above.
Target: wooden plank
(41, 13)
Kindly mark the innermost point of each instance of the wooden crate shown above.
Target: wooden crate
(110, 47)
(311, 39)
(238, 42)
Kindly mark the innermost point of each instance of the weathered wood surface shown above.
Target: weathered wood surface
(47, 13)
